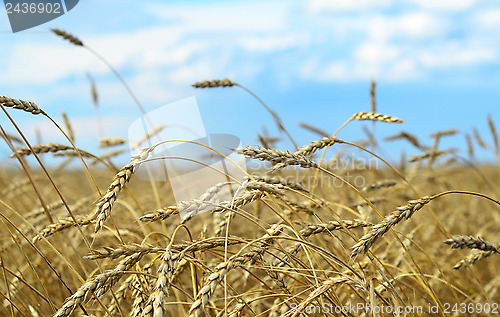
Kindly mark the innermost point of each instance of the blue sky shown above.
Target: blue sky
(436, 63)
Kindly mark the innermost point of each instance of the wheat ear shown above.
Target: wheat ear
(98, 285)
(105, 203)
(67, 123)
(214, 83)
(402, 213)
(407, 136)
(494, 135)
(222, 269)
(61, 225)
(318, 145)
(376, 117)
(276, 156)
(107, 142)
(314, 129)
(325, 286)
(42, 148)
(380, 184)
(67, 36)
(471, 242)
(156, 301)
(473, 258)
(27, 106)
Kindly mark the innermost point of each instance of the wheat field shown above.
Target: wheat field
(302, 236)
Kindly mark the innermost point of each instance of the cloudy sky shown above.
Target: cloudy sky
(436, 63)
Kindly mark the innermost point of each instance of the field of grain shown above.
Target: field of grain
(330, 228)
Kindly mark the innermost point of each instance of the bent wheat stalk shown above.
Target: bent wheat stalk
(402, 213)
(355, 282)
(228, 83)
(105, 204)
(76, 41)
(98, 285)
(222, 269)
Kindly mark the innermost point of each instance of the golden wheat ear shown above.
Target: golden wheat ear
(27, 106)
(67, 36)
(376, 117)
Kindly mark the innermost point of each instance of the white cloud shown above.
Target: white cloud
(336, 70)
(38, 63)
(234, 17)
(316, 6)
(86, 129)
(408, 25)
(272, 43)
(488, 19)
(340, 70)
(404, 69)
(445, 5)
(456, 54)
(376, 53)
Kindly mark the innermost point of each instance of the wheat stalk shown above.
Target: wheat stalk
(355, 282)
(140, 298)
(236, 311)
(107, 142)
(494, 135)
(408, 137)
(110, 154)
(480, 141)
(11, 137)
(191, 207)
(402, 213)
(223, 268)
(332, 226)
(98, 285)
(380, 184)
(42, 148)
(67, 123)
(276, 156)
(105, 203)
(120, 294)
(314, 129)
(62, 224)
(131, 249)
(156, 301)
(473, 258)
(278, 180)
(227, 83)
(431, 154)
